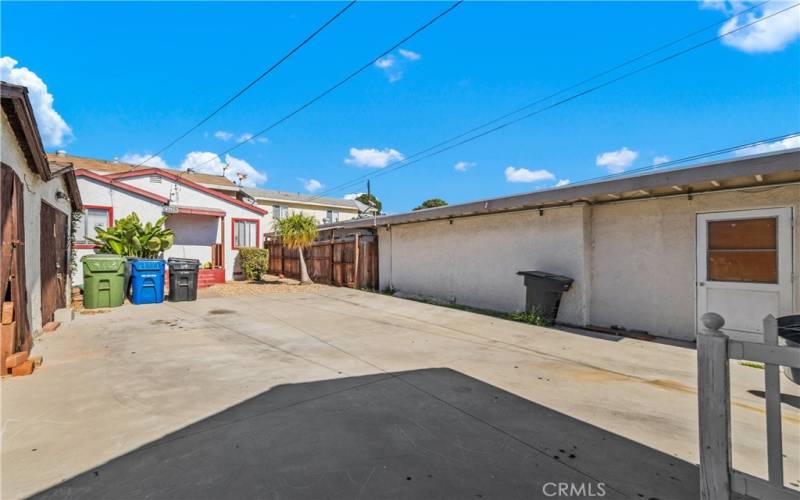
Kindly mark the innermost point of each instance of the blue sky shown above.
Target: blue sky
(127, 78)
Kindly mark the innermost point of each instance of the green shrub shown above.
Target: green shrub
(130, 238)
(532, 318)
(254, 262)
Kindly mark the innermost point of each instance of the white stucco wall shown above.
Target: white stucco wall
(95, 193)
(36, 192)
(187, 196)
(193, 233)
(633, 263)
(644, 260)
(474, 260)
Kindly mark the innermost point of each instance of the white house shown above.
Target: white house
(37, 198)
(652, 251)
(325, 210)
(208, 225)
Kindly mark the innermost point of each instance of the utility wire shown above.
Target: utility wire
(567, 89)
(339, 84)
(699, 156)
(250, 85)
(405, 162)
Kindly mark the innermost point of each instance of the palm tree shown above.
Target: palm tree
(297, 232)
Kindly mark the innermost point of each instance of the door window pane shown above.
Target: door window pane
(744, 250)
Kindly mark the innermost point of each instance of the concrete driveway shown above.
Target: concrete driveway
(339, 393)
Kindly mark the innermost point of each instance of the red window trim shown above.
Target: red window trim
(86, 246)
(233, 232)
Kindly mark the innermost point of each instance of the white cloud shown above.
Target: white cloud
(393, 67)
(769, 147)
(562, 182)
(386, 62)
(770, 35)
(311, 185)
(247, 136)
(371, 157)
(617, 161)
(658, 160)
(136, 159)
(351, 196)
(208, 163)
(410, 55)
(52, 127)
(525, 175)
(463, 166)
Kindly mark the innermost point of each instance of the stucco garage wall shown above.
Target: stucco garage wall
(474, 260)
(643, 262)
(36, 191)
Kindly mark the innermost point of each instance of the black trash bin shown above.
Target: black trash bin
(543, 292)
(789, 329)
(183, 279)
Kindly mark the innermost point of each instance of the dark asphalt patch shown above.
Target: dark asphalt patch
(432, 433)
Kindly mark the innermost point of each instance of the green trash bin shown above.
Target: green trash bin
(103, 280)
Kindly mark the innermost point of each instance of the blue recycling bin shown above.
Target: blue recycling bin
(147, 281)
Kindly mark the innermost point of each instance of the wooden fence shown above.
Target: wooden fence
(718, 479)
(351, 262)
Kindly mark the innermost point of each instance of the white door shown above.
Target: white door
(744, 266)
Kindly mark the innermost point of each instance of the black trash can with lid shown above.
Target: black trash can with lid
(183, 279)
(789, 329)
(543, 293)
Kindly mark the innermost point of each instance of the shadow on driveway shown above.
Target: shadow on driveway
(433, 433)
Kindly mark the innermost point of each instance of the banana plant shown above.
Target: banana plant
(130, 238)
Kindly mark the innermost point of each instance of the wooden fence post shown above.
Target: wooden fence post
(357, 243)
(713, 389)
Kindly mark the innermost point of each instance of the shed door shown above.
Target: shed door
(744, 266)
(53, 261)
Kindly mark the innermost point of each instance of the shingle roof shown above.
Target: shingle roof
(110, 167)
(309, 199)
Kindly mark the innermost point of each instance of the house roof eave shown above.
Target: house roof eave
(122, 186)
(194, 185)
(17, 107)
(641, 186)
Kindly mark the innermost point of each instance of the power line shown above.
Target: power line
(698, 156)
(567, 89)
(250, 85)
(340, 83)
(405, 162)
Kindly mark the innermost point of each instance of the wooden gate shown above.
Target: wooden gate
(53, 261)
(351, 261)
(15, 333)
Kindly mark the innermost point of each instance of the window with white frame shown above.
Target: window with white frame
(93, 217)
(245, 233)
(279, 211)
(331, 216)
